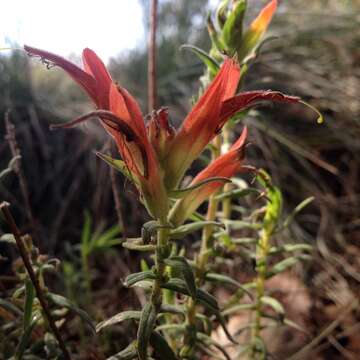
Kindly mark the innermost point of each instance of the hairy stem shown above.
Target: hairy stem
(160, 255)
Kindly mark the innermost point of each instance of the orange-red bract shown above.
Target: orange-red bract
(226, 166)
(137, 152)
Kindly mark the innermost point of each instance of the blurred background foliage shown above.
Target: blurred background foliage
(315, 54)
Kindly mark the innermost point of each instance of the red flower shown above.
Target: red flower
(121, 116)
(158, 157)
(209, 115)
(226, 166)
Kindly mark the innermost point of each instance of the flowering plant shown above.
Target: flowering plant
(155, 157)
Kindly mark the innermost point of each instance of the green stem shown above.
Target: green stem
(262, 251)
(161, 253)
(201, 265)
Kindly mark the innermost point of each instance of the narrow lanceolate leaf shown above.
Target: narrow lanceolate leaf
(146, 327)
(25, 337)
(172, 309)
(64, 302)
(138, 245)
(274, 304)
(149, 228)
(282, 266)
(128, 353)
(118, 318)
(178, 194)
(132, 279)
(202, 296)
(290, 248)
(119, 165)
(186, 229)
(237, 193)
(212, 65)
(238, 308)
(298, 208)
(208, 341)
(226, 280)
(29, 300)
(232, 31)
(181, 265)
(162, 349)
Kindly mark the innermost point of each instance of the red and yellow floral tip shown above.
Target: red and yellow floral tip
(257, 29)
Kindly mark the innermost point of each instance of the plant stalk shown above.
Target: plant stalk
(262, 251)
(201, 261)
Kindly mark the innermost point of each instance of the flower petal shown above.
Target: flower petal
(85, 80)
(95, 67)
(226, 166)
(125, 107)
(202, 123)
(246, 99)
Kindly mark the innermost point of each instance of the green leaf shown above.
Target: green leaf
(290, 248)
(132, 279)
(274, 304)
(282, 266)
(146, 327)
(180, 193)
(232, 31)
(298, 208)
(137, 245)
(260, 347)
(237, 308)
(202, 296)
(64, 302)
(221, 13)
(181, 265)
(183, 230)
(239, 224)
(118, 318)
(212, 65)
(224, 279)
(237, 193)
(172, 309)
(128, 353)
(162, 349)
(29, 300)
(245, 241)
(120, 166)
(149, 228)
(208, 341)
(106, 239)
(25, 337)
(216, 41)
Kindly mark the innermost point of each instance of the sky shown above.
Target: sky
(67, 26)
